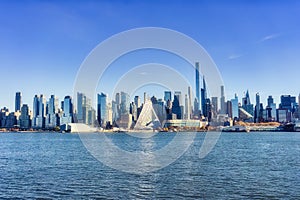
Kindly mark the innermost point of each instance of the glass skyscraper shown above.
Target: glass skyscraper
(235, 107)
(203, 99)
(176, 106)
(197, 79)
(125, 103)
(168, 96)
(102, 109)
(68, 111)
(18, 101)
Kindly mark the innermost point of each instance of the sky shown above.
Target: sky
(255, 44)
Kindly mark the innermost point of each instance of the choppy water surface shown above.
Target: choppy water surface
(241, 166)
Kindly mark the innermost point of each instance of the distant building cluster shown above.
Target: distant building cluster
(173, 109)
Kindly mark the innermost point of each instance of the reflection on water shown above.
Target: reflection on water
(241, 166)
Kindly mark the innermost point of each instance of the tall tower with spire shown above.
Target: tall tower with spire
(203, 98)
(197, 79)
(246, 104)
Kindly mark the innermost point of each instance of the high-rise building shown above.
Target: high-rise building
(283, 115)
(39, 111)
(68, 114)
(91, 117)
(133, 111)
(118, 99)
(246, 104)
(125, 103)
(197, 79)
(270, 100)
(257, 109)
(177, 105)
(145, 97)
(271, 109)
(196, 108)
(35, 106)
(168, 96)
(161, 111)
(203, 99)
(137, 101)
(158, 107)
(187, 107)
(116, 107)
(83, 107)
(190, 109)
(25, 121)
(222, 101)
(18, 101)
(102, 109)
(4, 112)
(228, 108)
(52, 117)
(235, 107)
(207, 109)
(80, 102)
(288, 102)
(298, 109)
(108, 115)
(214, 106)
(12, 119)
(115, 111)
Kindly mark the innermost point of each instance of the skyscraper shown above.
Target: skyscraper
(168, 96)
(246, 104)
(197, 79)
(35, 106)
(118, 98)
(136, 107)
(102, 109)
(190, 109)
(203, 99)
(208, 109)
(83, 107)
(288, 102)
(271, 109)
(116, 107)
(80, 102)
(257, 109)
(187, 109)
(214, 105)
(235, 107)
(52, 117)
(125, 103)
(53, 105)
(228, 109)
(270, 100)
(137, 101)
(18, 101)
(145, 97)
(222, 101)
(68, 111)
(25, 117)
(176, 106)
(39, 111)
(91, 117)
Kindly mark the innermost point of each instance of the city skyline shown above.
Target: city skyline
(125, 111)
(47, 41)
(252, 98)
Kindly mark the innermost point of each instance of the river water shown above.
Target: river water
(241, 166)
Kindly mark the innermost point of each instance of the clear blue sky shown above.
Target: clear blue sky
(255, 44)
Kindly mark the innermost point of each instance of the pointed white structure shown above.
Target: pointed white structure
(148, 119)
